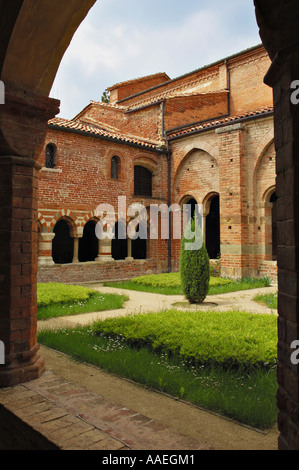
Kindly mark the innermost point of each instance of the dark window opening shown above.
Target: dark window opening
(114, 167)
(192, 203)
(63, 244)
(273, 200)
(50, 156)
(213, 229)
(142, 181)
(89, 243)
(119, 243)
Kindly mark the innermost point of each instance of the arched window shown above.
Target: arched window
(115, 167)
(51, 160)
(142, 181)
(139, 247)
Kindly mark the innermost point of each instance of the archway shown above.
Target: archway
(89, 243)
(212, 236)
(63, 243)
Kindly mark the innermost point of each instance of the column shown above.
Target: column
(129, 257)
(284, 70)
(23, 123)
(45, 249)
(105, 251)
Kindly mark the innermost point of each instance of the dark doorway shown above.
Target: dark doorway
(63, 244)
(273, 200)
(139, 247)
(119, 243)
(89, 243)
(213, 229)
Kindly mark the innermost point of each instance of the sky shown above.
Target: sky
(124, 39)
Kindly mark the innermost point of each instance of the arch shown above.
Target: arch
(31, 32)
(89, 243)
(70, 218)
(63, 242)
(262, 148)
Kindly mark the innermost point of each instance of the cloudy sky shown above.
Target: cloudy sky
(124, 39)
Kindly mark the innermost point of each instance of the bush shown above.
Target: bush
(228, 339)
(194, 264)
(53, 293)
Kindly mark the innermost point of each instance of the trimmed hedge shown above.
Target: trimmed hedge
(210, 338)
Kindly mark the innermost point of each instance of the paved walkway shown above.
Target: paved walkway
(134, 416)
(144, 302)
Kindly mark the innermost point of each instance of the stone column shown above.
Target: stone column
(129, 257)
(45, 249)
(284, 70)
(77, 237)
(105, 251)
(23, 123)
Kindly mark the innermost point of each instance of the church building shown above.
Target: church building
(205, 138)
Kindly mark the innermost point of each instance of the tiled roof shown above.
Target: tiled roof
(176, 133)
(147, 77)
(93, 130)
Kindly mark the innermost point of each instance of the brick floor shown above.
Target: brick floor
(69, 417)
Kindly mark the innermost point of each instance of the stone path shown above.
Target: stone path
(144, 302)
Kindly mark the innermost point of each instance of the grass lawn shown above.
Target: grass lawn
(268, 299)
(170, 284)
(225, 362)
(57, 300)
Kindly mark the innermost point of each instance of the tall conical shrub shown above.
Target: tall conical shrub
(194, 264)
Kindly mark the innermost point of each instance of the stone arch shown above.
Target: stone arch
(70, 218)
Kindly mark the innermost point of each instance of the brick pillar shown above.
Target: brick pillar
(284, 70)
(23, 121)
(235, 245)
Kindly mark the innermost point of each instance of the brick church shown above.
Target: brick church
(204, 138)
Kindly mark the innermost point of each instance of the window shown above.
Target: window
(50, 156)
(142, 181)
(115, 164)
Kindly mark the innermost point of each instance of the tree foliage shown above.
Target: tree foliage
(194, 264)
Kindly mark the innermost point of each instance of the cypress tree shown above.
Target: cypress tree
(194, 264)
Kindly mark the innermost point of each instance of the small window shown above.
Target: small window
(142, 181)
(115, 166)
(50, 156)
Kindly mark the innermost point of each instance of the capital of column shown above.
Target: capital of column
(23, 115)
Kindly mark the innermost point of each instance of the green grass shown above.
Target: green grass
(225, 362)
(267, 299)
(210, 338)
(57, 300)
(170, 284)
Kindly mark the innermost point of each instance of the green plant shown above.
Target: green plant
(194, 264)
